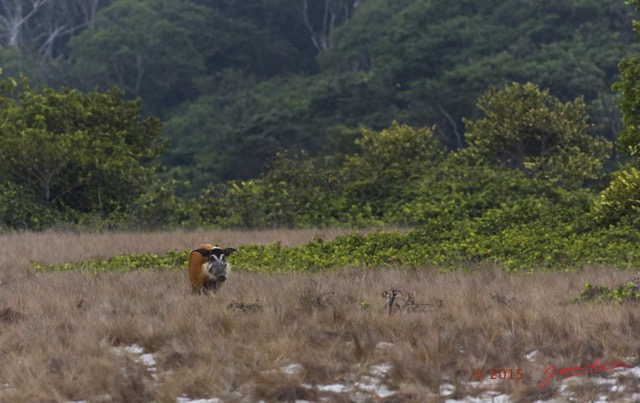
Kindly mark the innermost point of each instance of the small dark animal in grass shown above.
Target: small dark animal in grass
(208, 268)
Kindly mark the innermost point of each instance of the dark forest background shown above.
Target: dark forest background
(487, 126)
(237, 81)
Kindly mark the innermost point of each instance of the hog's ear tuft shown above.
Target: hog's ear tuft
(203, 252)
(228, 251)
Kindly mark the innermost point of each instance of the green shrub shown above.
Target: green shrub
(527, 236)
(167, 261)
(626, 292)
(620, 202)
(528, 129)
(18, 210)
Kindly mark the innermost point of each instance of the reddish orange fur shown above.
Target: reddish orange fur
(198, 275)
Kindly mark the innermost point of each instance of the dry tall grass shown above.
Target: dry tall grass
(59, 331)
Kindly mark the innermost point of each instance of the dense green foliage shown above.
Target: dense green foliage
(168, 261)
(237, 81)
(484, 129)
(526, 237)
(629, 86)
(620, 202)
(527, 129)
(69, 152)
(403, 176)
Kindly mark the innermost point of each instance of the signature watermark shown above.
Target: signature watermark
(570, 372)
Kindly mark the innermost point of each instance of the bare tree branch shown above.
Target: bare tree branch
(13, 19)
(334, 13)
(454, 126)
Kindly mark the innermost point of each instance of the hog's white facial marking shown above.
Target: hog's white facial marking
(218, 267)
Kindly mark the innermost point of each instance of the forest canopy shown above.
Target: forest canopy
(245, 79)
(299, 113)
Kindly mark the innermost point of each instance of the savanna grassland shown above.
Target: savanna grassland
(316, 336)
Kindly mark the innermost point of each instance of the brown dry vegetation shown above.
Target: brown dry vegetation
(58, 330)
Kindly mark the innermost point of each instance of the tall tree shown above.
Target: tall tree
(14, 17)
(620, 202)
(440, 57)
(88, 152)
(629, 87)
(34, 34)
(148, 48)
(323, 17)
(528, 129)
